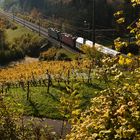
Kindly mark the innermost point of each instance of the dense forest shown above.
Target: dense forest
(78, 10)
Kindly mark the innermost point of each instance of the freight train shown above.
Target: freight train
(77, 42)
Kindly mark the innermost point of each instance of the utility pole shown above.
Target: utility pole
(87, 28)
(39, 25)
(24, 12)
(2, 40)
(61, 28)
(13, 16)
(93, 23)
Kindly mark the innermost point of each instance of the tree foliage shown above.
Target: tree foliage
(79, 10)
(13, 125)
(131, 29)
(114, 113)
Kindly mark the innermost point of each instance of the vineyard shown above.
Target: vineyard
(54, 74)
(64, 89)
(33, 79)
(40, 70)
(60, 95)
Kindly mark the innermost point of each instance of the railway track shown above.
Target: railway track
(42, 31)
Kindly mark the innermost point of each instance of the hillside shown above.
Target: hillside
(78, 10)
(77, 15)
(48, 72)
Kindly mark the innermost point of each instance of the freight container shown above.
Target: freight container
(53, 33)
(68, 39)
(89, 43)
(79, 42)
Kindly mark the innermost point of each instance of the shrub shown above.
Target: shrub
(13, 126)
(61, 56)
(114, 113)
(27, 44)
(13, 27)
(133, 48)
(49, 55)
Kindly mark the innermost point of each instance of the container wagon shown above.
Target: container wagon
(68, 39)
(79, 42)
(54, 33)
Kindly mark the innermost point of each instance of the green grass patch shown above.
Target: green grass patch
(43, 104)
(16, 33)
(68, 53)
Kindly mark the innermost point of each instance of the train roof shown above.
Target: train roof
(89, 43)
(53, 29)
(80, 40)
(106, 50)
(68, 35)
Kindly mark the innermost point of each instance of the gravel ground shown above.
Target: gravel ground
(54, 125)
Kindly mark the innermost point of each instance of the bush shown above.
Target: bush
(25, 45)
(13, 126)
(61, 56)
(49, 55)
(7, 56)
(115, 111)
(29, 43)
(13, 27)
(33, 46)
(133, 48)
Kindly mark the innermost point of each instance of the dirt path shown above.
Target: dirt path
(26, 60)
(54, 125)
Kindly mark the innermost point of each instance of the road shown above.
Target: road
(41, 30)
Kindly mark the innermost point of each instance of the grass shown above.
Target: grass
(68, 53)
(40, 103)
(43, 104)
(21, 30)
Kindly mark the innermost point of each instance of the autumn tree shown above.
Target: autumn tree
(131, 44)
(114, 113)
(35, 13)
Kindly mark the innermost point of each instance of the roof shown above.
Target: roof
(80, 40)
(106, 50)
(89, 43)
